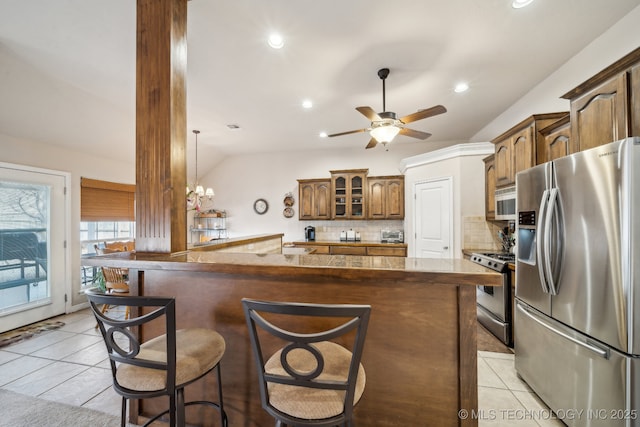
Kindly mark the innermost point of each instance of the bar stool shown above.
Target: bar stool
(162, 366)
(309, 380)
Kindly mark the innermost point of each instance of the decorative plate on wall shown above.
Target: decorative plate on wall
(288, 212)
(288, 200)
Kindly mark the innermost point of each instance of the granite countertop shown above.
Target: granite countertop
(349, 243)
(420, 270)
(234, 241)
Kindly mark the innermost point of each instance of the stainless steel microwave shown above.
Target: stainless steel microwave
(506, 204)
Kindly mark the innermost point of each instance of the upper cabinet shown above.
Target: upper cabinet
(556, 141)
(605, 107)
(503, 162)
(385, 199)
(315, 198)
(490, 187)
(516, 149)
(348, 191)
(351, 194)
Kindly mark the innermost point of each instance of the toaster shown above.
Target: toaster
(391, 236)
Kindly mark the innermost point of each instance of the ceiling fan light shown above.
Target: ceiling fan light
(276, 41)
(518, 4)
(384, 134)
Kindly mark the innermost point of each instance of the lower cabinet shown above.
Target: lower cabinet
(381, 251)
(348, 250)
(361, 249)
(317, 249)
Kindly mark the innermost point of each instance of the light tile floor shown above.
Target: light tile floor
(69, 365)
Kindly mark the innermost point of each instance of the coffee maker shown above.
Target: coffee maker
(310, 233)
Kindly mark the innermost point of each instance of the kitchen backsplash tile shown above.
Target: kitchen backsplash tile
(369, 230)
(477, 233)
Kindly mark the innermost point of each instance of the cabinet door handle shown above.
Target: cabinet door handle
(444, 248)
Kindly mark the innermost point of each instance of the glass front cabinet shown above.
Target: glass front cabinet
(347, 188)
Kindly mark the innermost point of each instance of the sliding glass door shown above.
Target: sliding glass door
(33, 227)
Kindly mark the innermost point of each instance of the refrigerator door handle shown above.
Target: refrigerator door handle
(604, 353)
(540, 232)
(552, 207)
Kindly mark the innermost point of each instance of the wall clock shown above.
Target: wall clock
(260, 206)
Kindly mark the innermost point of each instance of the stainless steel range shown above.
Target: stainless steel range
(494, 302)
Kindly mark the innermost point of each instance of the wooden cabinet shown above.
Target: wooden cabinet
(351, 194)
(605, 107)
(635, 100)
(523, 150)
(348, 194)
(490, 187)
(600, 115)
(385, 197)
(348, 250)
(382, 251)
(556, 141)
(357, 248)
(503, 162)
(315, 199)
(516, 148)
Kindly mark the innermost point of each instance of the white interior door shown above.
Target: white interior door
(433, 219)
(33, 229)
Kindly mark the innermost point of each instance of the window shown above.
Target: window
(24, 213)
(107, 214)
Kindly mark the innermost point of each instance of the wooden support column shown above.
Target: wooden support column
(161, 126)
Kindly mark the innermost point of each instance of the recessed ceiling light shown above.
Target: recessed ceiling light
(461, 87)
(323, 134)
(307, 103)
(276, 41)
(517, 4)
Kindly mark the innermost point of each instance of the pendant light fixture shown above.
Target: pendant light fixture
(199, 191)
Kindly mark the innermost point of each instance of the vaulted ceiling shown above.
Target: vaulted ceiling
(67, 67)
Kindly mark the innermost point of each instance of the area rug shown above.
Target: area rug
(26, 332)
(19, 410)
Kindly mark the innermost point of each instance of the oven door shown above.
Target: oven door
(494, 310)
(492, 299)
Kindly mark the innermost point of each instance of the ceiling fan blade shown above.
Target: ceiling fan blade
(348, 132)
(414, 133)
(369, 113)
(423, 114)
(372, 143)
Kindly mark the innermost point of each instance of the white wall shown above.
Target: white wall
(463, 163)
(28, 153)
(240, 180)
(612, 45)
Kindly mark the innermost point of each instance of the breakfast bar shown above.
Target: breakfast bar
(420, 351)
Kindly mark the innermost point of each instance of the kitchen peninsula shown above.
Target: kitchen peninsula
(420, 351)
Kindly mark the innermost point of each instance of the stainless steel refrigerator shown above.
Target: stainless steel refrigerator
(577, 319)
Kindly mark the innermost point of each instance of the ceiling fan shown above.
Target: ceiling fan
(385, 125)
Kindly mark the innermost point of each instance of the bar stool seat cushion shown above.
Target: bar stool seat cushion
(309, 403)
(197, 351)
